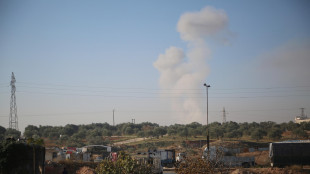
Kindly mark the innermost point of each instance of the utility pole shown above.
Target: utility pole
(224, 116)
(208, 141)
(113, 118)
(13, 123)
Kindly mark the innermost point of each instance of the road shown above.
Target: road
(129, 141)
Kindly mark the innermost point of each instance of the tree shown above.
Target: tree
(194, 132)
(129, 131)
(305, 125)
(159, 131)
(141, 134)
(172, 131)
(70, 129)
(2, 133)
(216, 132)
(124, 164)
(275, 133)
(258, 134)
(292, 126)
(267, 125)
(184, 132)
(194, 125)
(231, 126)
(234, 134)
(53, 135)
(300, 133)
(150, 133)
(98, 140)
(12, 133)
(30, 131)
(106, 132)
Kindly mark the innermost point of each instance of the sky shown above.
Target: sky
(77, 61)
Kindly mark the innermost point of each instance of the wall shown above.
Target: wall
(20, 158)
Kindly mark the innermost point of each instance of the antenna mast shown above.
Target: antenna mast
(13, 124)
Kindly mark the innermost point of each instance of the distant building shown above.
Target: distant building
(53, 154)
(302, 118)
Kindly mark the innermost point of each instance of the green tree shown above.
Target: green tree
(172, 131)
(216, 132)
(12, 133)
(30, 131)
(106, 132)
(258, 134)
(231, 126)
(70, 129)
(149, 133)
(159, 131)
(300, 133)
(184, 132)
(305, 125)
(291, 126)
(141, 134)
(275, 133)
(2, 133)
(234, 134)
(129, 131)
(124, 165)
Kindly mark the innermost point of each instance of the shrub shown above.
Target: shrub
(124, 165)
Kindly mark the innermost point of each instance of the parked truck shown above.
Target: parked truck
(167, 157)
(287, 153)
(223, 156)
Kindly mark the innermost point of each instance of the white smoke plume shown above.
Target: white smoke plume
(181, 71)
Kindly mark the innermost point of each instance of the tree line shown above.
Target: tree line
(95, 133)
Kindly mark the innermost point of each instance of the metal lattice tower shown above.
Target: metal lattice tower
(303, 113)
(224, 115)
(13, 108)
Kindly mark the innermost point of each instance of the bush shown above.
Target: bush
(124, 165)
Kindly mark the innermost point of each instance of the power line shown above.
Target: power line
(119, 96)
(131, 88)
(142, 111)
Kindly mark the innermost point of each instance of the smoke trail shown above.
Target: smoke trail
(180, 70)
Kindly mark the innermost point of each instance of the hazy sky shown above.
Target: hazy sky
(76, 61)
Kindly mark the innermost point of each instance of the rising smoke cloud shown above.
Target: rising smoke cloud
(182, 71)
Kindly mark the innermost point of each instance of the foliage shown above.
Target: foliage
(12, 133)
(199, 165)
(275, 134)
(37, 141)
(194, 165)
(124, 165)
(15, 157)
(258, 134)
(31, 131)
(2, 133)
(300, 133)
(79, 135)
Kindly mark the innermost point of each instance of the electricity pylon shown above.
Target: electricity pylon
(13, 108)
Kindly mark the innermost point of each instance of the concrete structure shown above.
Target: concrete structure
(54, 154)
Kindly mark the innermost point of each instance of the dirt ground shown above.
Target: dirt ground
(270, 171)
(261, 157)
